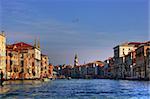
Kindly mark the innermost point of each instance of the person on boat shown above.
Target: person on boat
(1, 78)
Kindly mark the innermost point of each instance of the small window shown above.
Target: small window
(22, 63)
(32, 63)
(11, 62)
(123, 53)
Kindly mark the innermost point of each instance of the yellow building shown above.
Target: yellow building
(3, 53)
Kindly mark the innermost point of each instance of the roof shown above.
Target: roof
(99, 63)
(147, 42)
(19, 46)
(22, 44)
(136, 44)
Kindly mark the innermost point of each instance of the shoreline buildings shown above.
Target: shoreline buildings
(23, 61)
(131, 61)
(89, 70)
(120, 58)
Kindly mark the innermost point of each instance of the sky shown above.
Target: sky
(88, 28)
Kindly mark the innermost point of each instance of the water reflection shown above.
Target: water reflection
(80, 89)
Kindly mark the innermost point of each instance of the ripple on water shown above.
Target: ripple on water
(82, 89)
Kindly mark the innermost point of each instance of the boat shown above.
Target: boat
(69, 78)
(46, 79)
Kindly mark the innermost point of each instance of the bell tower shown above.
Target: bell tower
(76, 62)
(35, 45)
(38, 44)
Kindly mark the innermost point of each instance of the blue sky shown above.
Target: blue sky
(90, 28)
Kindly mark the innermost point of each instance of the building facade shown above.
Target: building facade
(148, 63)
(12, 64)
(3, 53)
(44, 66)
(50, 71)
(108, 68)
(120, 52)
(142, 69)
(23, 61)
(130, 64)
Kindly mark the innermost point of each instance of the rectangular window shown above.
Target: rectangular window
(11, 62)
(22, 63)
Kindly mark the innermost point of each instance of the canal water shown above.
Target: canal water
(79, 89)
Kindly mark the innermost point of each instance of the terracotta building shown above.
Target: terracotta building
(12, 64)
(50, 71)
(23, 61)
(44, 66)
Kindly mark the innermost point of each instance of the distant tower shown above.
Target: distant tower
(76, 62)
(38, 44)
(35, 45)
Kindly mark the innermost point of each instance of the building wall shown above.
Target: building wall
(119, 55)
(30, 64)
(44, 66)
(50, 71)
(83, 71)
(3, 54)
(26, 60)
(122, 50)
(37, 57)
(12, 64)
(141, 68)
(148, 63)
